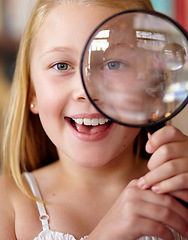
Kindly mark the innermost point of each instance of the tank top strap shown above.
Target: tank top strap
(36, 192)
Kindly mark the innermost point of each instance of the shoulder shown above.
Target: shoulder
(8, 191)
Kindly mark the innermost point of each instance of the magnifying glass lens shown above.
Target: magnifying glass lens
(134, 68)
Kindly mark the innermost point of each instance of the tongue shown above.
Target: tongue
(91, 129)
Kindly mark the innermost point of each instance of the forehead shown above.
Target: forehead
(70, 23)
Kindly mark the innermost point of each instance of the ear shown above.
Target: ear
(33, 100)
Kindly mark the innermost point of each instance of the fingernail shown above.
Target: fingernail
(156, 189)
(149, 135)
(149, 148)
(142, 183)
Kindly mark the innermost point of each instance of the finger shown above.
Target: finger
(167, 152)
(157, 208)
(179, 182)
(150, 227)
(166, 201)
(166, 215)
(182, 194)
(166, 171)
(164, 135)
(136, 196)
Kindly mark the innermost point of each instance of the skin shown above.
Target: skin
(61, 94)
(93, 171)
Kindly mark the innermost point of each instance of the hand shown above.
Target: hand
(138, 213)
(168, 164)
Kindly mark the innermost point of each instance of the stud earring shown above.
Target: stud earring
(32, 105)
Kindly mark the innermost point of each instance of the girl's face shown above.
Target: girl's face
(71, 122)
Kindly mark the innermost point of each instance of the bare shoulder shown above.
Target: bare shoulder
(7, 214)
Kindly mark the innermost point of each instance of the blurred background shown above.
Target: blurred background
(13, 17)
(177, 9)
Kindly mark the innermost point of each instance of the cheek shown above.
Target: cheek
(126, 137)
(49, 103)
(51, 114)
(51, 98)
(120, 141)
(51, 93)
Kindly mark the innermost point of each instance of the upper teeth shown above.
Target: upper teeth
(91, 122)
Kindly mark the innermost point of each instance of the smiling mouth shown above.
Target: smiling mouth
(90, 126)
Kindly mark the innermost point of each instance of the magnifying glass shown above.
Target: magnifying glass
(134, 68)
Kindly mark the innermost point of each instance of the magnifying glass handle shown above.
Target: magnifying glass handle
(153, 129)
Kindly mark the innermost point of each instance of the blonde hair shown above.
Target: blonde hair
(26, 146)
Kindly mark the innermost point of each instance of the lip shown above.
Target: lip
(87, 115)
(88, 137)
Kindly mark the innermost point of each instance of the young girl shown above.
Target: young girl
(89, 178)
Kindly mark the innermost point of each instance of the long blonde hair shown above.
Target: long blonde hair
(26, 146)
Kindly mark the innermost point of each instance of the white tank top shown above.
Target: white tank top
(48, 234)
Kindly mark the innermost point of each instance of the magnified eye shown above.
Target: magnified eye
(114, 65)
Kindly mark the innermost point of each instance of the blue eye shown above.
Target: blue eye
(113, 65)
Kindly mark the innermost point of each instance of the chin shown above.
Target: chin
(94, 159)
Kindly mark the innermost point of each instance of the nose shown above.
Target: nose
(79, 93)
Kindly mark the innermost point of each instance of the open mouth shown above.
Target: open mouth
(90, 126)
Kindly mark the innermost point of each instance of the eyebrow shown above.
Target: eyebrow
(57, 49)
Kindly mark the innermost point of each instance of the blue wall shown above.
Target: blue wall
(164, 6)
